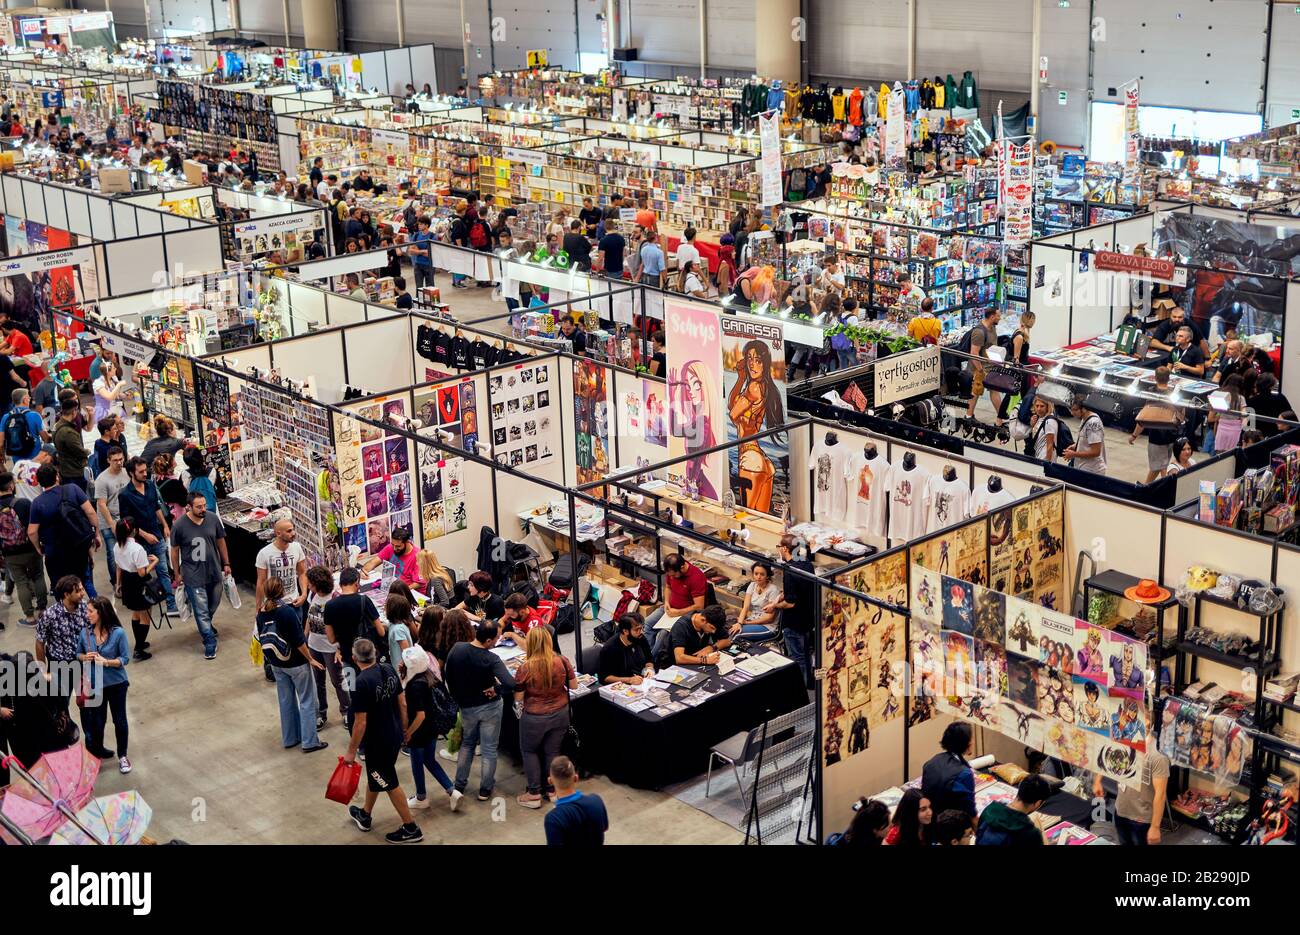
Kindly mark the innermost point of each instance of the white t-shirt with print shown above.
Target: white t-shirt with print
(907, 502)
(830, 465)
(869, 478)
(283, 565)
(948, 502)
(1091, 432)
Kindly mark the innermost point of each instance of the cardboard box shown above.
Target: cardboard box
(1206, 513)
(1227, 506)
(1279, 518)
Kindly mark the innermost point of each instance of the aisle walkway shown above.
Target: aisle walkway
(205, 744)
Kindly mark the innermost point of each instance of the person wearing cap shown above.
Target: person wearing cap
(402, 553)
(423, 675)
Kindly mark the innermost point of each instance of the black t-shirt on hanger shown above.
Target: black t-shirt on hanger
(441, 348)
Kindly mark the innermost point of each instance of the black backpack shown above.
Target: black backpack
(75, 529)
(18, 434)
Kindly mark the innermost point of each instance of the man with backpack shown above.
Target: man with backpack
(349, 616)
(978, 340)
(140, 502)
(421, 256)
(23, 429)
(21, 559)
(73, 456)
(459, 235)
(62, 528)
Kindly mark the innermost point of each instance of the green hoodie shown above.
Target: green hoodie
(950, 93)
(1002, 826)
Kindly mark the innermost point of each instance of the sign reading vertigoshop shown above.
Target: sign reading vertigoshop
(1149, 267)
(903, 376)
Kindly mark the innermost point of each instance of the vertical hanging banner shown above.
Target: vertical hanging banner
(753, 382)
(895, 118)
(619, 96)
(1018, 169)
(1132, 95)
(695, 398)
(769, 137)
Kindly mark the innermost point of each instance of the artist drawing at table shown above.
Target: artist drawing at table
(692, 411)
(755, 404)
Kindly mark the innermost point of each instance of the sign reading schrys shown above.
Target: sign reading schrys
(903, 376)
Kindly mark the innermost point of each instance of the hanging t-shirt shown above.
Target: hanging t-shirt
(907, 502)
(830, 464)
(983, 500)
(870, 482)
(949, 502)
(441, 347)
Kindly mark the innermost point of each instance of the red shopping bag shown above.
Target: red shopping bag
(343, 784)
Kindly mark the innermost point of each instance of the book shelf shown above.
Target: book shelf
(217, 119)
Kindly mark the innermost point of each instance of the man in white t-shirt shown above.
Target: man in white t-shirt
(284, 558)
(687, 252)
(25, 472)
(1089, 450)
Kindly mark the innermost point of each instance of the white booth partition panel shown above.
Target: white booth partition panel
(307, 305)
(398, 64)
(135, 265)
(149, 222)
(56, 209)
(376, 312)
(34, 201)
(1133, 231)
(318, 357)
(13, 192)
(174, 222)
(77, 205)
(124, 221)
(197, 250)
(1288, 571)
(378, 353)
(1092, 299)
(341, 310)
(1119, 535)
(1051, 284)
(1291, 325)
(101, 219)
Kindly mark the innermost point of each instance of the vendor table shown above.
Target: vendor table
(644, 750)
(244, 539)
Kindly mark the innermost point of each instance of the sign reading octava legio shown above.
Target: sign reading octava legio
(902, 376)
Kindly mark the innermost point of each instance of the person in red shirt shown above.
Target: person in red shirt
(16, 344)
(519, 615)
(645, 216)
(687, 591)
(403, 553)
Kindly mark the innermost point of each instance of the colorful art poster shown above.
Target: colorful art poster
(1126, 661)
(37, 237)
(15, 236)
(63, 279)
(591, 420)
(633, 415)
(753, 366)
(695, 398)
(654, 406)
(958, 606)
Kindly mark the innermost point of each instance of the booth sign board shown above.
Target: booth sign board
(536, 58)
(1150, 267)
(907, 375)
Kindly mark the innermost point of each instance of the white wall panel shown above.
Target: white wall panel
(34, 198)
(1284, 67)
(1207, 55)
(430, 21)
(866, 40)
(78, 206)
(987, 37)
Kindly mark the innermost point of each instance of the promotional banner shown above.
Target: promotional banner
(895, 118)
(753, 364)
(591, 420)
(695, 397)
(1018, 219)
(903, 376)
(1131, 97)
(63, 279)
(769, 135)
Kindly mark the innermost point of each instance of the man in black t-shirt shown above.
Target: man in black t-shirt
(1165, 336)
(1186, 358)
(694, 637)
(625, 657)
(798, 608)
(578, 247)
(590, 216)
(478, 681)
(379, 719)
(570, 331)
(348, 617)
(612, 245)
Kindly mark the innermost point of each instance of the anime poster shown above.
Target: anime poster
(926, 654)
(356, 536)
(1023, 723)
(958, 664)
(63, 279)
(1055, 695)
(591, 420)
(1022, 681)
(1056, 646)
(696, 401)
(1067, 743)
(958, 606)
(753, 365)
(1116, 760)
(350, 461)
(524, 418)
(990, 668)
(654, 409)
(1024, 628)
(1046, 558)
(925, 601)
(1089, 657)
(990, 616)
(1093, 706)
(1126, 661)
(633, 416)
(15, 235)
(1128, 724)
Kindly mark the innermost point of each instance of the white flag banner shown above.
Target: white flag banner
(895, 118)
(1018, 170)
(769, 136)
(1132, 95)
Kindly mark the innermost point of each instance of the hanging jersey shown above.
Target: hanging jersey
(837, 105)
(870, 479)
(984, 500)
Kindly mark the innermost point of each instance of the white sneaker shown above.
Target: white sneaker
(416, 802)
(124, 766)
(454, 799)
(442, 752)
